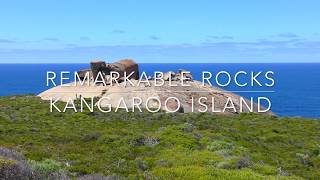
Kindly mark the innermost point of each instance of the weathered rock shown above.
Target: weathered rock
(213, 95)
(168, 75)
(185, 74)
(82, 73)
(189, 77)
(125, 65)
(195, 90)
(172, 105)
(159, 75)
(107, 79)
(176, 77)
(99, 66)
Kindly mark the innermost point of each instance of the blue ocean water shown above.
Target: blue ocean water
(295, 93)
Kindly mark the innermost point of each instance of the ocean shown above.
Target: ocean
(296, 91)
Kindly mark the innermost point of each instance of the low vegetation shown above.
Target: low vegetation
(37, 144)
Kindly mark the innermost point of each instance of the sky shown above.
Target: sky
(166, 31)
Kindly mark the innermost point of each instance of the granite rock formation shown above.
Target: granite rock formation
(188, 96)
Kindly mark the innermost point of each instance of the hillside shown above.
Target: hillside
(153, 146)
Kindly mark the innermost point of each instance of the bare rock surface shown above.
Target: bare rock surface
(178, 92)
(188, 95)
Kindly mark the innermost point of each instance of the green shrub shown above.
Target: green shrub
(220, 145)
(46, 167)
(195, 172)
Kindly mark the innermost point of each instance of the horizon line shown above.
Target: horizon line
(29, 63)
(245, 91)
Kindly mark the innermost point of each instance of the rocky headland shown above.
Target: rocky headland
(193, 95)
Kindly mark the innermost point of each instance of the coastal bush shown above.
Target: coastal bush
(98, 176)
(195, 172)
(12, 169)
(13, 166)
(160, 145)
(220, 145)
(47, 167)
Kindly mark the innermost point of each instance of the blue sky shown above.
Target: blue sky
(74, 31)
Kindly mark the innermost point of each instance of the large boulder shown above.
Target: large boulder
(122, 66)
(99, 66)
(125, 65)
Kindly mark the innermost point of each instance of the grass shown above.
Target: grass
(160, 145)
